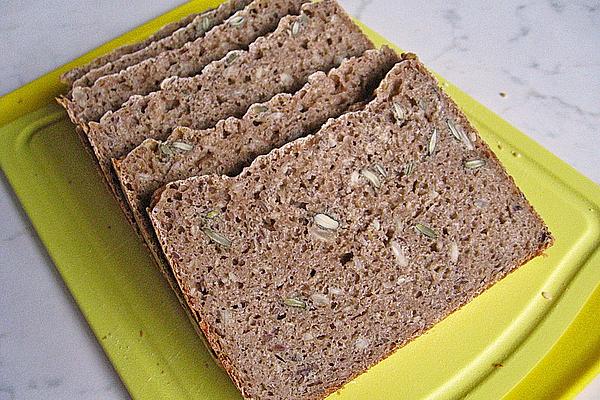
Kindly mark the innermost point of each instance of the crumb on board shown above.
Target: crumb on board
(547, 295)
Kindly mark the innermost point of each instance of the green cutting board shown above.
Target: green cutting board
(511, 341)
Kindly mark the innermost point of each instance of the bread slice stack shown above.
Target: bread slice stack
(188, 31)
(311, 223)
(234, 142)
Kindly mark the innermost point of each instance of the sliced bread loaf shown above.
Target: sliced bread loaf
(234, 142)
(326, 255)
(72, 75)
(110, 92)
(190, 32)
(316, 40)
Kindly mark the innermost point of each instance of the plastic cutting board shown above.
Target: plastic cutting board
(511, 341)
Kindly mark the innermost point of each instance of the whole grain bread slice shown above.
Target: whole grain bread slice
(233, 143)
(197, 27)
(326, 255)
(72, 75)
(110, 92)
(318, 39)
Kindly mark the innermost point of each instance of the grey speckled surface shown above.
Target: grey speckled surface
(543, 54)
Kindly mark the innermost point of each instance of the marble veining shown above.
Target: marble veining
(534, 62)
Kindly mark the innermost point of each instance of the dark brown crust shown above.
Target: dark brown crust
(165, 269)
(79, 129)
(88, 149)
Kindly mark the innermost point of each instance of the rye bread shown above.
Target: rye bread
(110, 92)
(326, 255)
(72, 75)
(195, 29)
(318, 39)
(234, 142)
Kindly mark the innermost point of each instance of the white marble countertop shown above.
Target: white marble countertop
(544, 55)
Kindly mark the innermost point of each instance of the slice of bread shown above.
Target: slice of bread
(72, 75)
(326, 255)
(110, 92)
(192, 31)
(235, 142)
(318, 39)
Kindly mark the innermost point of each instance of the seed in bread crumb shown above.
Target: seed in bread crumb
(376, 224)
(259, 108)
(409, 168)
(236, 20)
(319, 299)
(321, 234)
(168, 149)
(453, 130)
(379, 168)
(398, 111)
(326, 222)
(459, 135)
(453, 252)
(286, 79)
(293, 302)
(335, 291)
(202, 24)
(474, 164)
(212, 214)
(295, 30)
(182, 146)
(165, 149)
(399, 254)
(163, 85)
(432, 142)
(217, 237)
(427, 231)
(231, 56)
(371, 177)
(361, 343)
